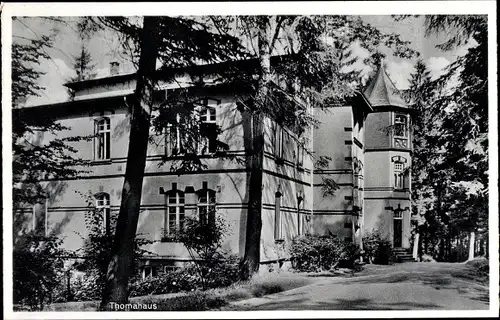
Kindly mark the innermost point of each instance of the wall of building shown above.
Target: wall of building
(334, 139)
(380, 196)
(283, 174)
(66, 207)
(376, 127)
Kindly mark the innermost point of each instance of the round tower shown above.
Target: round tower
(387, 185)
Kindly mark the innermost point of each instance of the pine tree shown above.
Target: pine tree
(83, 67)
(465, 123)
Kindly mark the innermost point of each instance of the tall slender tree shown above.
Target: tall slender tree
(83, 66)
(175, 43)
(465, 123)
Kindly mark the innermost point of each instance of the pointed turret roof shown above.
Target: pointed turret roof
(382, 92)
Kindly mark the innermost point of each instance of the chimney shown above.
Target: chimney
(114, 68)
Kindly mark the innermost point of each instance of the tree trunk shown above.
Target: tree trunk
(472, 237)
(251, 259)
(122, 254)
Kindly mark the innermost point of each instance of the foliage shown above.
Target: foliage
(450, 160)
(37, 266)
(96, 251)
(328, 184)
(377, 249)
(32, 160)
(317, 253)
(203, 239)
(85, 69)
(258, 286)
(196, 301)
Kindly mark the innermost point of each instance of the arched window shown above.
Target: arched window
(103, 207)
(206, 205)
(278, 141)
(277, 216)
(175, 207)
(102, 139)
(300, 156)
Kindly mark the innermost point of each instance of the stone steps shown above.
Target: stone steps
(403, 255)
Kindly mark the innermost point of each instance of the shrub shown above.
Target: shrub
(165, 282)
(37, 268)
(480, 267)
(196, 301)
(225, 273)
(203, 239)
(97, 252)
(87, 286)
(377, 249)
(317, 253)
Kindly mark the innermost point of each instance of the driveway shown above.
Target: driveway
(407, 286)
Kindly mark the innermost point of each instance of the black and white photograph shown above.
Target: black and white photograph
(238, 158)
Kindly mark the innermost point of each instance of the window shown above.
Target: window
(40, 219)
(102, 207)
(278, 141)
(103, 139)
(398, 175)
(277, 217)
(208, 130)
(300, 208)
(401, 132)
(181, 137)
(206, 206)
(175, 139)
(401, 125)
(300, 156)
(175, 215)
(149, 271)
(398, 214)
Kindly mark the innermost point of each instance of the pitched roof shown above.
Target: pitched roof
(382, 92)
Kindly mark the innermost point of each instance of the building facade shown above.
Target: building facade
(368, 163)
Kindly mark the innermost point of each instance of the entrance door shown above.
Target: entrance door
(398, 233)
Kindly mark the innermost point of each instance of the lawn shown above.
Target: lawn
(258, 286)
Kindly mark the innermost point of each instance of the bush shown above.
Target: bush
(37, 268)
(225, 273)
(87, 286)
(203, 239)
(480, 267)
(196, 301)
(318, 253)
(377, 250)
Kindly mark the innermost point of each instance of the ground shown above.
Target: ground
(407, 286)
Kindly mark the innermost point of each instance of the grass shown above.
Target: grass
(258, 286)
(217, 298)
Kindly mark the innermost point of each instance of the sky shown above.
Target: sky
(104, 48)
